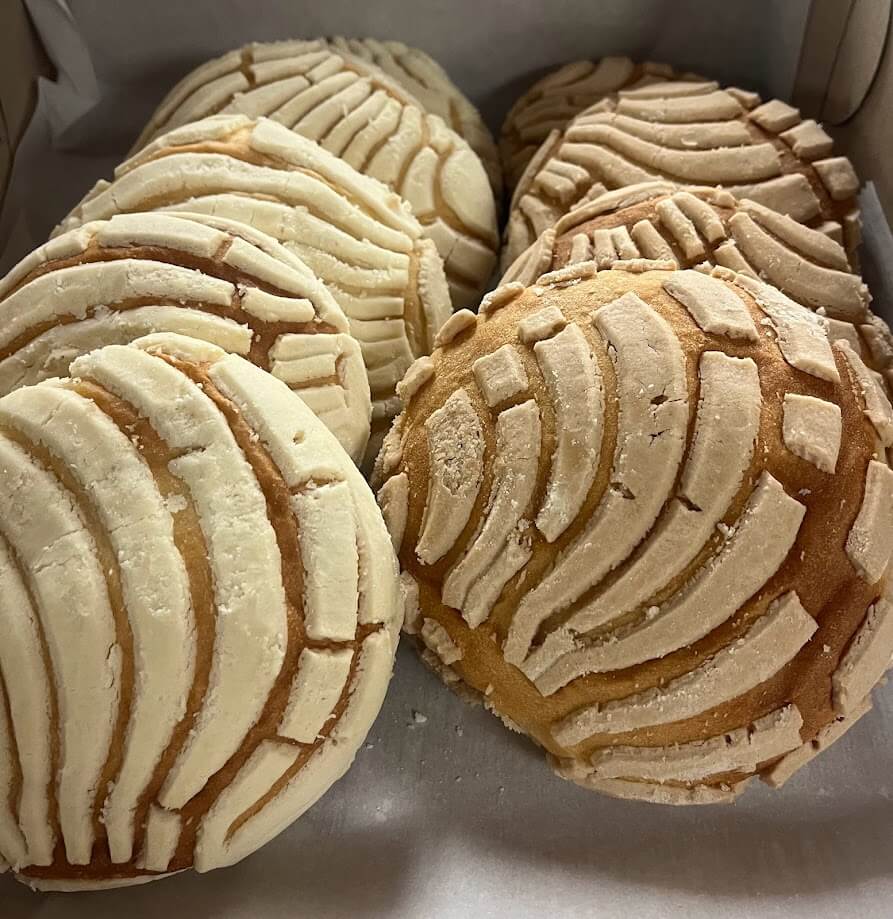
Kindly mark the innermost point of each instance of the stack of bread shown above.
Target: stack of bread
(637, 500)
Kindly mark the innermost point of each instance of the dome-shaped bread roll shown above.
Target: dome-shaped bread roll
(199, 607)
(355, 111)
(565, 92)
(659, 223)
(647, 519)
(357, 237)
(759, 150)
(109, 282)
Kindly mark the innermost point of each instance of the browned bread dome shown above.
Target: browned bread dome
(646, 517)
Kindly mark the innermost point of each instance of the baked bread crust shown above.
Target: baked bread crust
(358, 238)
(713, 137)
(687, 227)
(358, 113)
(196, 639)
(565, 92)
(109, 282)
(647, 519)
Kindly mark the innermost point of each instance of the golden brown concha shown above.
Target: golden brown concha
(647, 518)
(759, 150)
(656, 223)
(563, 93)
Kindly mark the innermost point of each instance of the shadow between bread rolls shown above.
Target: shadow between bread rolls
(645, 518)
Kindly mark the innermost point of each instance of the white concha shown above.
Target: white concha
(178, 690)
(705, 136)
(354, 234)
(648, 516)
(111, 281)
(359, 113)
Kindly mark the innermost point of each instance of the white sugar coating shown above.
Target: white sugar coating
(201, 601)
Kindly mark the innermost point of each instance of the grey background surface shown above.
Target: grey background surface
(453, 816)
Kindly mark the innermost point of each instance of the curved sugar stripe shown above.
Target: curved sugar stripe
(76, 290)
(769, 644)
(58, 556)
(12, 845)
(456, 451)
(653, 415)
(154, 581)
(50, 354)
(28, 691)
(517, 459)
(741, 750)
(574, 384)
(250, 631)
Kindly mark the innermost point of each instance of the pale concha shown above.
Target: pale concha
(658, 223)
(354, 234)
(646, 518)
(357, 112)
(562, 94)
(710, 136)
(109, 282)
(199, 605)
(411, 68)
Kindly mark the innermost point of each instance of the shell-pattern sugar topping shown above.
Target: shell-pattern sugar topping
(358, 112)
(112, 281)
(196, 637)
(652, 517)
(707, 137)
(353, 234)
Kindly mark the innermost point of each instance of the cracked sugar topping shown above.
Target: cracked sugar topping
(639, 510)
